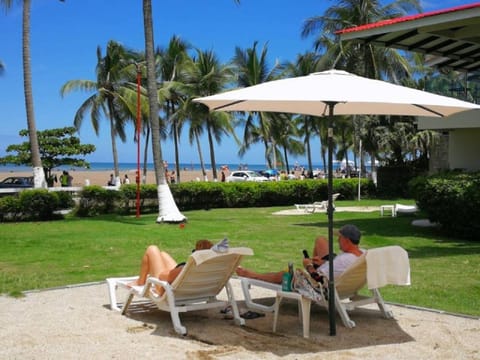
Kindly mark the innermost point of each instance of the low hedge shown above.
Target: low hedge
(35, 204)
(207, 195)
(451, 199)
(94, 200)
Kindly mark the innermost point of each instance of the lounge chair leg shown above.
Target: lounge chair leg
(343, 313)
(278, 300)
(177, 325)
(112, 287)
(305, 305)
(236, 314)
(381, 304)
(127, 303)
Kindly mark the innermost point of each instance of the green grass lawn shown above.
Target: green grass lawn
(445, 271)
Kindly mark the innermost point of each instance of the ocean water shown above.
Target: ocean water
(127, 166)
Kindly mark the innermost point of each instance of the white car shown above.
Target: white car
(245, 175)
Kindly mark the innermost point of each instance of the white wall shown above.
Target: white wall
(464, 149)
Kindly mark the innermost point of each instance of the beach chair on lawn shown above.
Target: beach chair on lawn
(203, 277)
(376, 268)
(317, 205)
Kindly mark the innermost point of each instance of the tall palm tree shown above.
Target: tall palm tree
(172, 60)
(308, 126)
(167, 209)
(363, 59)
(38, 173)
(109, 96)
(208, 76)
(253, 69)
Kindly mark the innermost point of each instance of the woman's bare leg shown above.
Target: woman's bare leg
(155, 263)
(273, 277)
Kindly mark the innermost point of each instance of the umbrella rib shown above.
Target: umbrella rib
(229, 104)
(429, 110)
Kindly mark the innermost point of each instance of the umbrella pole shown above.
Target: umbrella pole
(331, 283)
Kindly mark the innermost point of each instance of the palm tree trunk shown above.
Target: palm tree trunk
(212, 152)
(200, 155)
(177, 156)
(167, 209)
(38, 173)
(113, 135)
(145, 154)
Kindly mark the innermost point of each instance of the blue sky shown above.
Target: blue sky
(65, 36)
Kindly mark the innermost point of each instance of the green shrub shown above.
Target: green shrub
(208, 195)
(38, 204)
(97, 200)
(451, 199)
(10, 208)
(65, 200)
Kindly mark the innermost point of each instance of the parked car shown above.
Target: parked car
(245, 175)
(271, 174)
(17, 182)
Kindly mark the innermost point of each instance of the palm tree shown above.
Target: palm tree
(38, 173)
(363, 59)
(252, 69)
(172, 60)
(308, 126)
(167, 209)
(110, 94)
(207, 76)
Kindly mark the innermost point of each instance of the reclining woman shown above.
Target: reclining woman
(160, 264)
(348, 240)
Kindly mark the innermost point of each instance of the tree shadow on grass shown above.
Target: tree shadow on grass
(399, 231)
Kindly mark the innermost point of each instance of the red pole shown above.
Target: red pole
(137, 177)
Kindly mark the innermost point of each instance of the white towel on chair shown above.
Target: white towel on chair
(387, 265)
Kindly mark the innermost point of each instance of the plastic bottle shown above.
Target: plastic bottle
(287, 278)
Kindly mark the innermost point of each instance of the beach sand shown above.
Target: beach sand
(101, 178)
(76, 323)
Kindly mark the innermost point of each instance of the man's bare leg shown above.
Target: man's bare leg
(273, 277)
(320, 248)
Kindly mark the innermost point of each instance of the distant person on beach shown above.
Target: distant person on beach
(111, 182)
(126, 180)
(161, 265)
(52, 179)
(64, 179)
(69, 179)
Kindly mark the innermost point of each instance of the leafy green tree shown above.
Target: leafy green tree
(253, 69)
(170, 69)
(206, 75)
(359, 58)
(57, 147)
(167, 209)
(110, 94)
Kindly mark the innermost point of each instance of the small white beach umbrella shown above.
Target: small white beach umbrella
(331, 93)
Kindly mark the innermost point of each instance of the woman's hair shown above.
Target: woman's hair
(203, 245)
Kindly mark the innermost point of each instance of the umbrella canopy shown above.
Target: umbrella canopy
(353, 95)
(332, 93)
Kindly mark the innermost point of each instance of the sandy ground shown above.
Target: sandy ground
(76, 323)
(101, 177)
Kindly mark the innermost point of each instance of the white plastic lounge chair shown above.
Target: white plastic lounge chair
(405, 209)
(203, 277)
(376, 268)
(317, 205)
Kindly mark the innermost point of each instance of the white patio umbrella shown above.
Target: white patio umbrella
(332, 93)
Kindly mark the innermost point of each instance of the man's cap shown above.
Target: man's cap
(351, 231)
